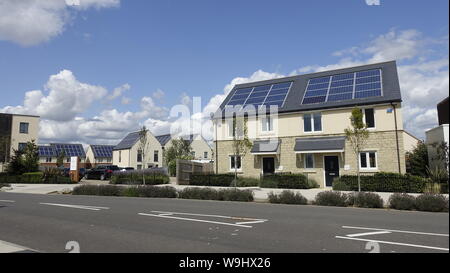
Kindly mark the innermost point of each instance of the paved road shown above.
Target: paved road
(46, 223)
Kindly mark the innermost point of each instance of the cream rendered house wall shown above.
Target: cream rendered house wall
(17, 137)
(409, 141)
(200, 146)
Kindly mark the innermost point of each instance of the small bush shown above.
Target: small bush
(156, 192)
(288, 197)
(157, 176)
(247, 182)
(331, 198)
(220, 195)
(432, 203)
(339, 185)
(402, 201)
(85, 190)
(4, 185)
(365, 200)
(312, 184)
(32, 178)
(134, 191)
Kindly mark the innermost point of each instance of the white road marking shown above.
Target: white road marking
(6, 247)
(368, 233)
(194, 220)
(8, 201)
(75, 206)
(169, 215)
(393, 243)
(399, 231)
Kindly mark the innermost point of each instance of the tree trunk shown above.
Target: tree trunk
(357, 171)
(235, 171)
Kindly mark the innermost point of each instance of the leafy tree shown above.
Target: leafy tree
(357, 135)
(60, 159)
(241, 143)
(179, 149)
(31, 157)
(417, 160)
(4, 147)
(442, 153)
(16, 165)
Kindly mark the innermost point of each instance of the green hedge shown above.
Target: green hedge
(382, 182)
(136, 178)
(286, 181)
(34, 178)
(220, 180)
(219, 195)
(133, 191)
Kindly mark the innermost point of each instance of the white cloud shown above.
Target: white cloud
(31, 22)
(117, 92)
(125, 101)
(158, 94)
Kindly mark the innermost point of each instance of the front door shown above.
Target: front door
(331, 169)
(268, 165)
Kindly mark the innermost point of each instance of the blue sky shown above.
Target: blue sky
(198, 48)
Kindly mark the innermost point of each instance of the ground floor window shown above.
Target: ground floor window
(139, 167)
(368, 160)
(309, 161)
(68, 160)
(48, 160)
(235, 162)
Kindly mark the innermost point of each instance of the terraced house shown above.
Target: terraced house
(306, 133)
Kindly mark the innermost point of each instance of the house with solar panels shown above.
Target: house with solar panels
(128, 153)
(297, 123)
(97, 155)
(48, 154)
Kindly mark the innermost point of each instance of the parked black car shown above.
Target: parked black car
(66, 172)
(126, 169)
(101, 172)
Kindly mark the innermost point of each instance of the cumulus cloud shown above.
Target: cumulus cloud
(31, 22)
(158, 94)
(117, 92)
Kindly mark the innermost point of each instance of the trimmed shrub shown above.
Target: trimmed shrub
(285, 181)
(247, 182)
(85, 190)
(219, 195)
(312, 184)
(34, 178)
(382, 182)
(365, 200)
(156, 192)
(152, 177)
(4, 185)
(134, 191)
(287, 197)
(101, 190)
(331, 198)
(205, 179)
(432, 203)
(402, 201)
(235, 195)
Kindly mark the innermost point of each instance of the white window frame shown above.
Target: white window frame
(313, 129)
(368, 168)
(374, 120)
(268, 121)
(48, 160)
(235, 161)
(27, 126)
(313, 160)
(231, 131)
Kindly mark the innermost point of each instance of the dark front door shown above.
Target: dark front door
(331, 169)
(268, 165)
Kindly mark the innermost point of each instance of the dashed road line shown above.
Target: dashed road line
(8, 201)
(368, 233)
(399, 231)
(76, 206)
(393, 243)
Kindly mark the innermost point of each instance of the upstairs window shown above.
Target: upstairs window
(369, 117)
(24, 127)
(139, 156)
(205, 155)
(156, 156)
(267, 124)
(312, 122)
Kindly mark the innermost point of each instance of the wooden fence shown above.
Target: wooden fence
(186, 167)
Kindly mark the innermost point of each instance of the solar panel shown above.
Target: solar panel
(274, 94)
(362, 84)
(102, 150)
(46, 151)
(70, 149)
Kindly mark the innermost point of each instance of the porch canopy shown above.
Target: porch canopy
(320, 145)
(266, 147)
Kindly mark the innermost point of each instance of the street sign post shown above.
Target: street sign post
(75, 169)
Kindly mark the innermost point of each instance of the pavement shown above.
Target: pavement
(91, 224)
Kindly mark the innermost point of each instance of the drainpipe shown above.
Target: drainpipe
(217, 148)
(396, 138)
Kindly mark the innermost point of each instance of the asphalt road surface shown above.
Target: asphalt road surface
(57, 223)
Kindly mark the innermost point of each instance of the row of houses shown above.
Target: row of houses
(17, 130)
(306, 133)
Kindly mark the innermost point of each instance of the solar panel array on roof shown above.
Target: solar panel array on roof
(363, 84)
(70, 149)
(47, 151)
(163, 139)
(104, 151)
(274, 94)
(128, 141)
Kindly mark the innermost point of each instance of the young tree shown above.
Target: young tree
(417, 160)
(179, 149)
(241, 143)
(16, 165)
(60, 159)
(442, 154)
(31, 157)
(143, 147)
(357, 135)
(4, 146)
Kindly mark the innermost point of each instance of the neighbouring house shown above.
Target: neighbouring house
(15, 132)
(303, 131)
(200, 147)
(128, 153)
(410, 141)
(97, 155)
(48, 154)
(438, 134)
